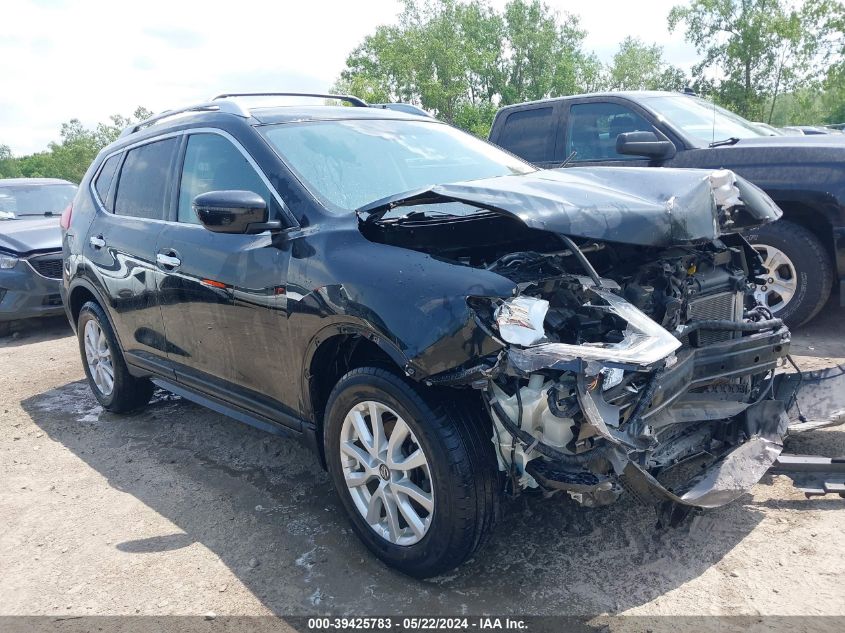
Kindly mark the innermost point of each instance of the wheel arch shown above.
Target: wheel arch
(80, 292)
(334, 351)
(813, 219)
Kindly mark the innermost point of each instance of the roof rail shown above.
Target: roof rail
(355, 101)
(218, 106)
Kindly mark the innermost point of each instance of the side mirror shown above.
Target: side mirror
(644, 144)
(233, 212)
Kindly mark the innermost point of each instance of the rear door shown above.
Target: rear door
(133, 192)
(531, 133)
(223, 295)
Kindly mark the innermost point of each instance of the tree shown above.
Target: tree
(756, 48)
(461, 60)
(638, 66)
(8, 166)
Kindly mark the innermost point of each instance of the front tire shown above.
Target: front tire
(799, 272)
(415, 470)
(109, 378)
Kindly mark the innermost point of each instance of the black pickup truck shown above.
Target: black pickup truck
(803, 253)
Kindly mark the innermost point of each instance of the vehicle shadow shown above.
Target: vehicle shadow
(265, 507)
(27, 331)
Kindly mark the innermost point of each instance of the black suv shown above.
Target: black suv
(440, 321)
(804, 254)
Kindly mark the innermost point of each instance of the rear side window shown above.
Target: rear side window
(105, 177)
(530, 134)
(143, 185)
(212, 163)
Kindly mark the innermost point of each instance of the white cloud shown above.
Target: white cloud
(89, 59)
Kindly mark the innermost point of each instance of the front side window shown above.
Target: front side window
(593, 128)
(350, 163)
(143, 184)
(212, 163)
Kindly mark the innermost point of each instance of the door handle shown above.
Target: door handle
(97, 241)
(168, 261)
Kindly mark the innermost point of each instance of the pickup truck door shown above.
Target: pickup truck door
(590, 127)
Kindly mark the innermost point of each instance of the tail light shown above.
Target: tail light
(66, 215)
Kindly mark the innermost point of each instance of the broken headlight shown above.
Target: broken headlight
(644, 341)
(520, 320)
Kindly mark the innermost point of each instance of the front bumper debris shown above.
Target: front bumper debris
(791, 403)
(731, 476)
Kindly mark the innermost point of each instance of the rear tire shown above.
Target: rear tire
(109, 378)
(459, 478)
(806, 263)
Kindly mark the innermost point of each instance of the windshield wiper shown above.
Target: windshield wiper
(733, 140)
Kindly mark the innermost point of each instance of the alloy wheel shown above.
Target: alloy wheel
(99, 358)
(781, 280)
(387, 473)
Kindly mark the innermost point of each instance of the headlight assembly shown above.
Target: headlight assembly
(7, 262)
(643, 342)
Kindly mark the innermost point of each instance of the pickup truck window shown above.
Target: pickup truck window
(593, 127)
(702, 120)
(530, 134)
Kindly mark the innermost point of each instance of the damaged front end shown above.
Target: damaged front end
(681, 414)
(625, 365)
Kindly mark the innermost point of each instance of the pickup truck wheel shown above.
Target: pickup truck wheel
(110, 381)
(415, 470)
(799, 272)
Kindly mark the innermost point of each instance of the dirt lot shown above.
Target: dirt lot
(177, 510)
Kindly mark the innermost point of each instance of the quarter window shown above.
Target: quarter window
(212, 163)
(143, 185)
(105, 177)
(593, 128)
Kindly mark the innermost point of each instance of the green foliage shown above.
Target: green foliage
(70, 158)
(638, 66)
(460, 60)
(756, 50)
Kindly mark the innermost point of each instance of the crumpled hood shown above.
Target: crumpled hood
(643, 206)
(30, 235)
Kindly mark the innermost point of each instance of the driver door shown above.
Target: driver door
(222, 295)
(591, 131)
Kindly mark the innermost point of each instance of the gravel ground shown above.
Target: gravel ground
(178, 510)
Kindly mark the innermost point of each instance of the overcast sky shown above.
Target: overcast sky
(87, 59)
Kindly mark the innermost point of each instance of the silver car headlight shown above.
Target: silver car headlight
(7, 262)
(644, 341)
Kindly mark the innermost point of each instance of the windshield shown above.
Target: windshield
(701, 120)
(20, 201)
(350, 163)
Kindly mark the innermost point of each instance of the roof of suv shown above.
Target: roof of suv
(288, 114)
(232, 109)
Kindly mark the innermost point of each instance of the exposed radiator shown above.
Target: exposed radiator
(724, 305)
